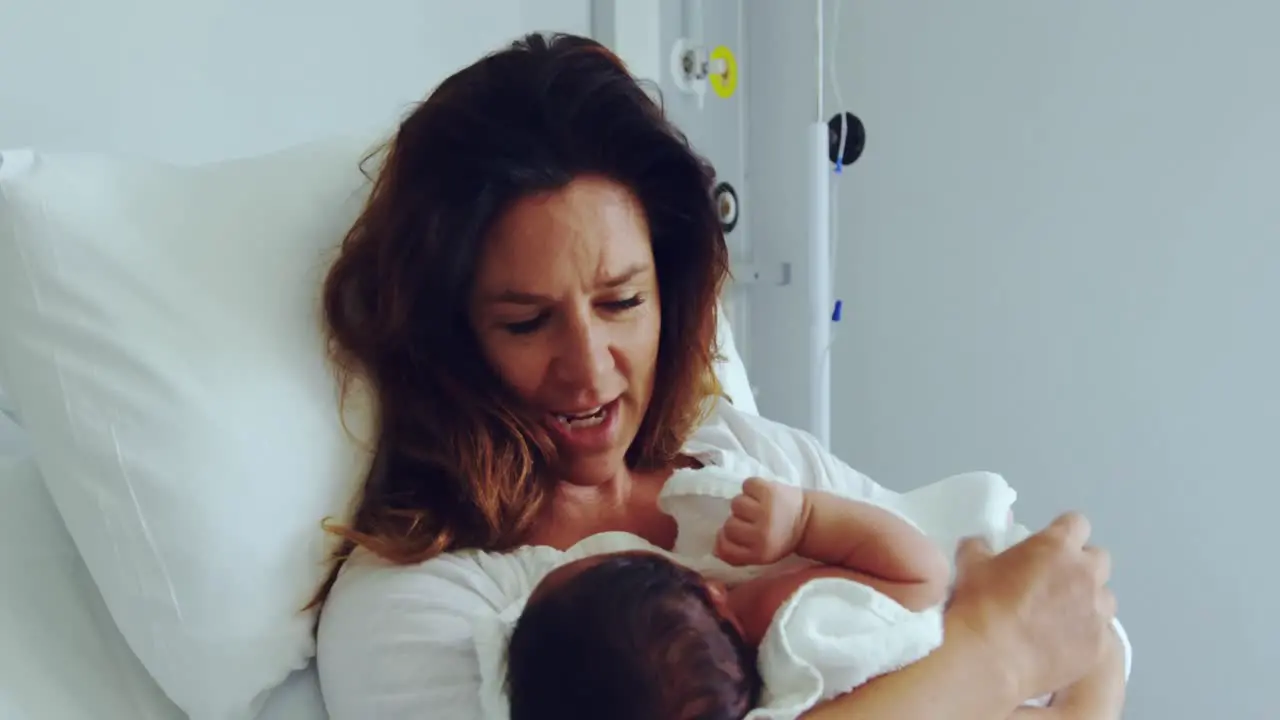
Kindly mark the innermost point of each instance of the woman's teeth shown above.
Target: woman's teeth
(582, 420)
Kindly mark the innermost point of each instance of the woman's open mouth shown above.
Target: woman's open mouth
(591, 418)
(586, 430)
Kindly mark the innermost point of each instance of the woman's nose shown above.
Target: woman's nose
(584, 358)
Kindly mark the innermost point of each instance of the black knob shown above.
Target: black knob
(854, 137)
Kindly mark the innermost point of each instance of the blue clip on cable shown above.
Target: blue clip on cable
(835, 314)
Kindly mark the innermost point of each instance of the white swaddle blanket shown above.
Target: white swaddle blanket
(833, 634)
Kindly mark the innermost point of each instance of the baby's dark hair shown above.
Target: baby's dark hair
(633, 637)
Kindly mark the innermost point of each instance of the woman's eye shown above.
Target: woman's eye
(525, 327)
(625, 303)
(532, 325)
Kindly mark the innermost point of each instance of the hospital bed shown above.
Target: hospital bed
(134, 300)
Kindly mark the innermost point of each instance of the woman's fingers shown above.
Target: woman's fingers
(1071, 528)
(1045, 598)
(970, 551)
(1100, 560)
(1107, 604)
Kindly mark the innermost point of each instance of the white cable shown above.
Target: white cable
(832, 65)
(820, 56)
(693, 21)
(746, 247)
(819, 247)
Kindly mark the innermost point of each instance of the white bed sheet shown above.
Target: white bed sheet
(60, 654)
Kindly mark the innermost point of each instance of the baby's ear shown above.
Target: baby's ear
(719, 593)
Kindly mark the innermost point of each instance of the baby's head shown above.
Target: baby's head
(629, 636)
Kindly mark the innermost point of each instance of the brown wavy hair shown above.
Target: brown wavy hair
(458, 462)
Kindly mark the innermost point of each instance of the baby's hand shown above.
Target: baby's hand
(766, 524)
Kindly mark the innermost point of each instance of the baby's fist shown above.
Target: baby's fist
(765, 525)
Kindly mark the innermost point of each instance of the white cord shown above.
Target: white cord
(693, 20)
(835, 81)
(820, 56)
(832, 65)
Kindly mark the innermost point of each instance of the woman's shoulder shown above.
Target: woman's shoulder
(738, 440)
(463, 583)
(733, 436)
(753, 445)
(471, 580)
(398, 641)
(414, 641)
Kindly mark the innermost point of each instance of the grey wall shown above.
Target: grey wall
(1060, 259)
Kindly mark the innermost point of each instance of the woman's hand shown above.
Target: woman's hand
(1098, 695)
(1042, 607)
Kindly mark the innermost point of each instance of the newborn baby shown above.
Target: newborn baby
(634, 635)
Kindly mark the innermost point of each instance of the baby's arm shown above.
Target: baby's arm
(770, 521)
(835, 530)
(897, 559)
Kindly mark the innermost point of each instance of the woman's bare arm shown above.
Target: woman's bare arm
(1020, 624)
(961, 680)
(1097, 696)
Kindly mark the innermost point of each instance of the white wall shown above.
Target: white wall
(644, 34)
(203, 80)
(1059, 261)
(781, 90)
(196, 81)
(716, 129)
(208, 79)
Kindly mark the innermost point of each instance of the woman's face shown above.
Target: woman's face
(566, 310)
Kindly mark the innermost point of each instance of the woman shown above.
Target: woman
(531, 292)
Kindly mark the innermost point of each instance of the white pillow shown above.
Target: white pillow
(731, 371)
(159, 328)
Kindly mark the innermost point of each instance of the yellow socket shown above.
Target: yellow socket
(724, 84)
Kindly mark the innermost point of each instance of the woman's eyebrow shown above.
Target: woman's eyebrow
(627, 275)
(520, 297)
(515, 297)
